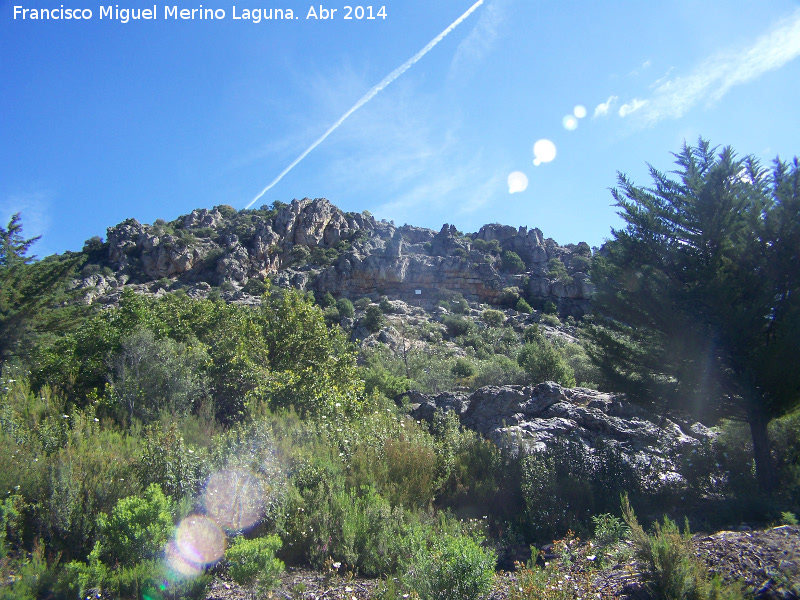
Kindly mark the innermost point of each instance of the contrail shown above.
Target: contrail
(370, 95)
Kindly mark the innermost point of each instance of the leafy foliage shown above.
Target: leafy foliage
(452, 568)
(138, 527)
(252, 563)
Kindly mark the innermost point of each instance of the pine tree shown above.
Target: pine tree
(27, 287)
(698, 297)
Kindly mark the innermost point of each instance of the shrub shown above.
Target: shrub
(457, 326)
(138, 527)
(452, 568)
(581, 264)
(373, 319)
(331, 315)
(608, 529)
(498, 370)
(326, 300)
(511, 262)
(255, 287)
(252, 563)
(550, 308)
(378, 379)
(463, 368)
(543, 362)
(493, 318)
(523, 306)
(459, 305)
(509, 297)
(551, 320)
(168, 462)
(385, 306)
(32, 577)
(346, 308)
(557, 271)
(671, 569)
(362, 303)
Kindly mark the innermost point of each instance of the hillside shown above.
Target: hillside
(302, 401)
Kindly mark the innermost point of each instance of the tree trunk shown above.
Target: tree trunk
(765, 471)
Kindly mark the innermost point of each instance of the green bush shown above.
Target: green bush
(459, 305)
(138, 527)
(32, 578)
(463, 368)
(543, 362)
(457, 326)
(373, 319)
(492, 317)
(608, 529)
(671, 569)
(452, 568)
(557, 271)
(169, 462)
(386, 306)
(331, 315)
(509, 297)
(326, 300)
(551, 320)
(498, 370)
(252, 563)
(523, 306)
(511, 262)
(255, 287)
(346, 308)
(379, 379)
(581, 264)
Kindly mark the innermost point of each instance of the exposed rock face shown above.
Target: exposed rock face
(533, 417)
(314, 244)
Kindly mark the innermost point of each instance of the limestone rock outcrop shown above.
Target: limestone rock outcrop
(315, 244)
(533, 417)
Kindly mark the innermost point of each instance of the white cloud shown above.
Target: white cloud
(643, 67)
(482, 37)
(631, 107)
(601, 110)
(716, 75)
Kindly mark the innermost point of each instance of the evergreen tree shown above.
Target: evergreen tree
(698, 297)
(27, 287)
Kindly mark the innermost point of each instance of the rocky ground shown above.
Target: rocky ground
(765, 561)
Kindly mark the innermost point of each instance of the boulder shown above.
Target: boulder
(531, 418)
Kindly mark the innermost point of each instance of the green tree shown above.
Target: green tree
(699, 295)
(27, 288)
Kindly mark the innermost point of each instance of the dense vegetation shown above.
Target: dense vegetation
(147, 444)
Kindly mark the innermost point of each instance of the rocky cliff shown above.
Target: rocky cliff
(313, 245)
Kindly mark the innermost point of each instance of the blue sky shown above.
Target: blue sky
(102, 120)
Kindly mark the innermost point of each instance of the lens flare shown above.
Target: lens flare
(570, 123)
(517, 182)
(198, 542)
(234, 499)
(544, 151)
(579, 111)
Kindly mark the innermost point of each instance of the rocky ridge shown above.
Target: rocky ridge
(313, 245)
